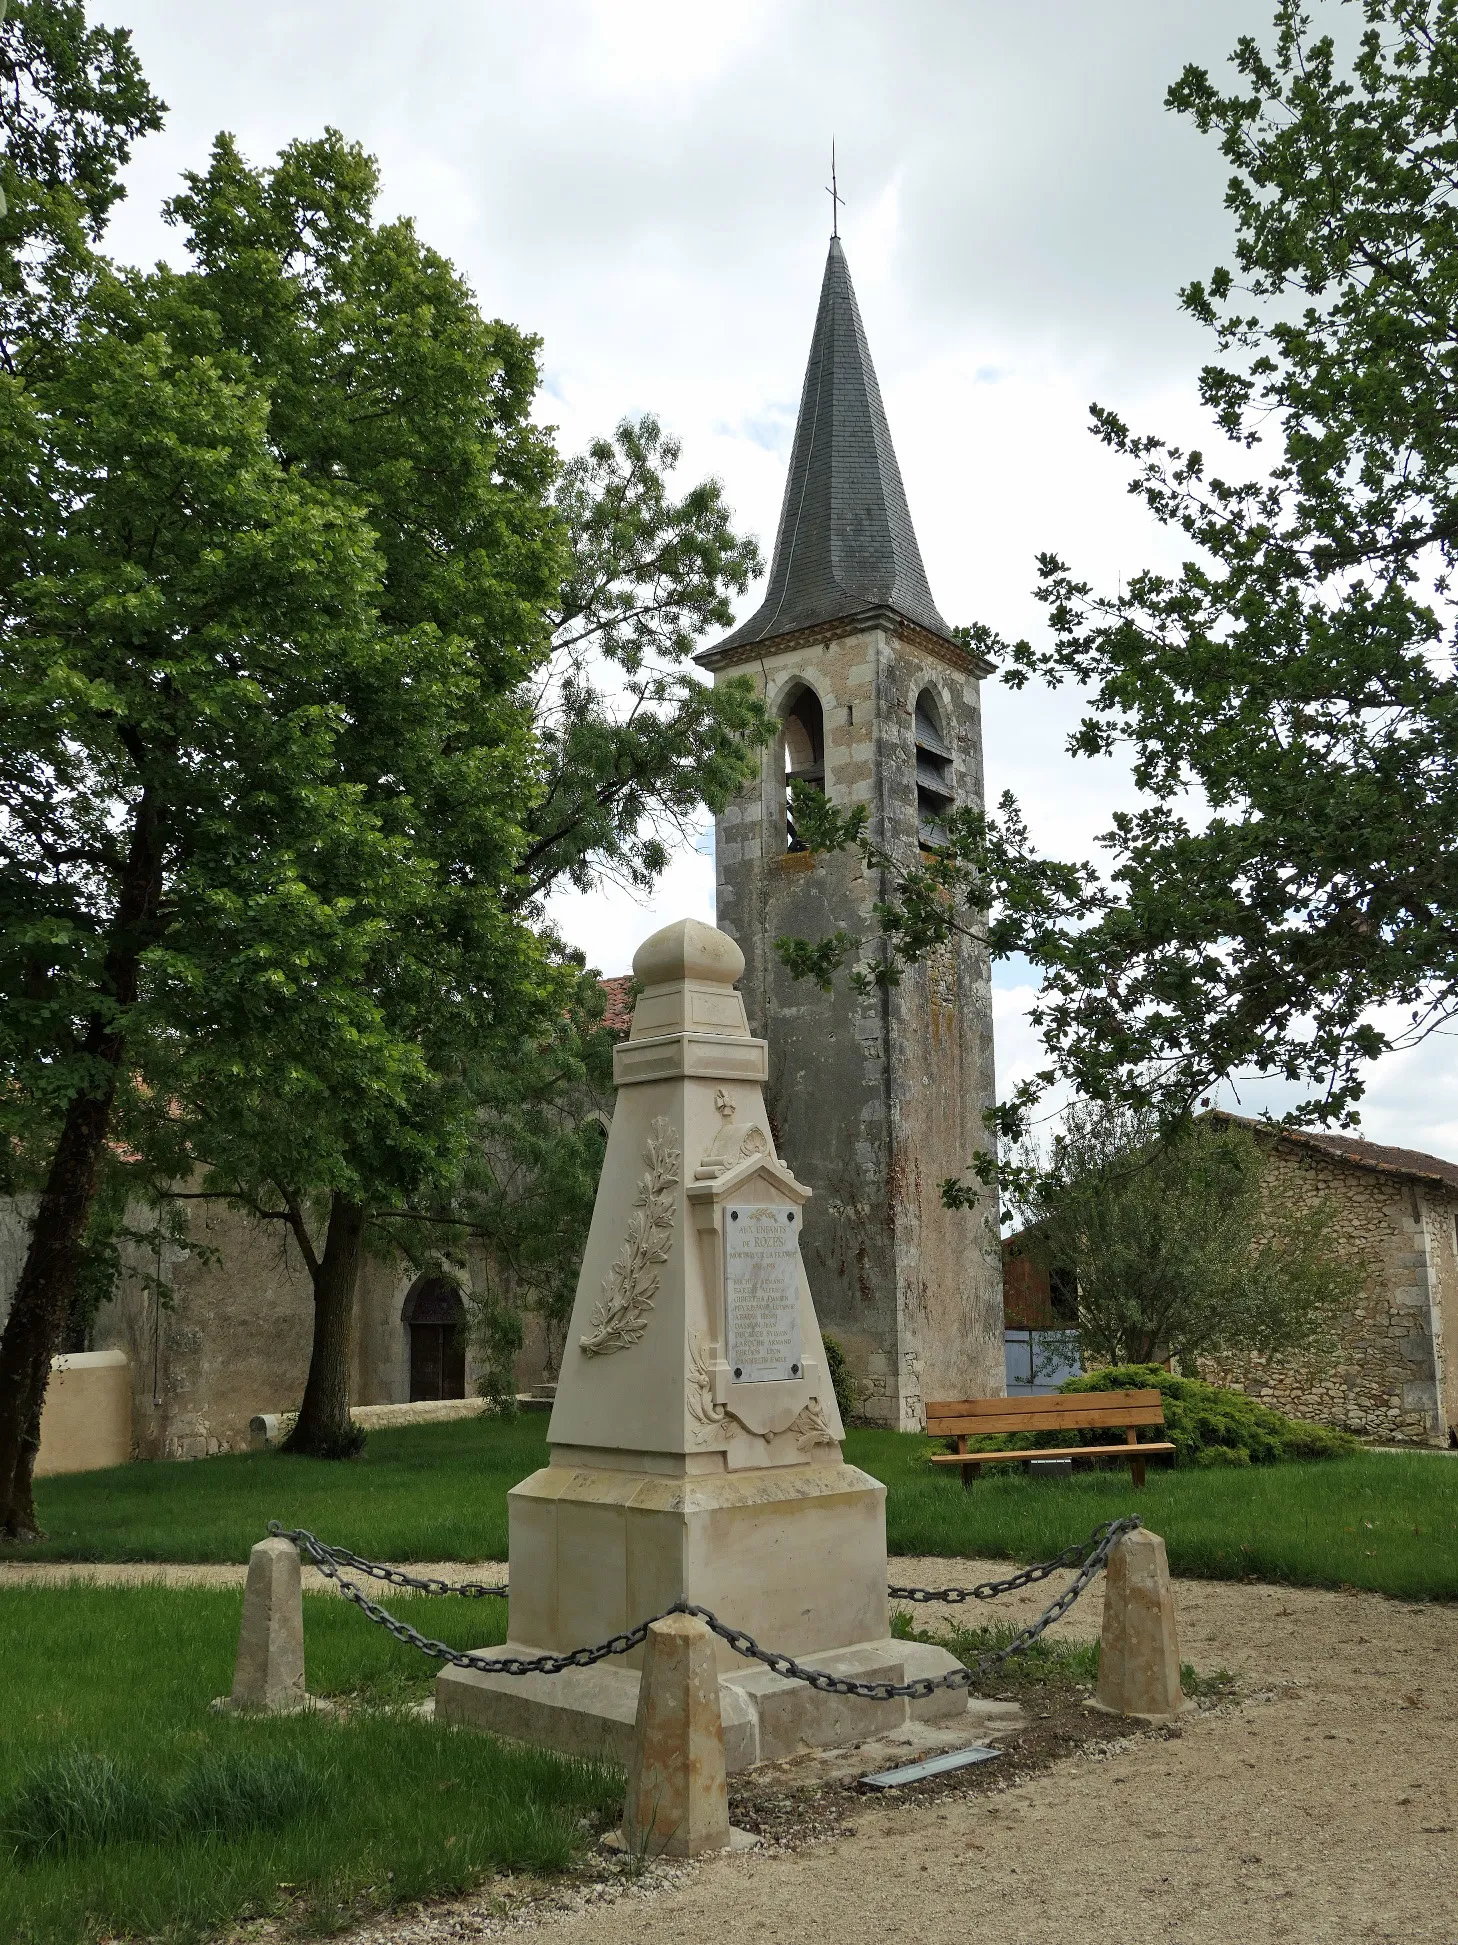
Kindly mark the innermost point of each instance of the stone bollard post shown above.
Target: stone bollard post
(678, 1800)
(1139, 1656)
(269, 1673)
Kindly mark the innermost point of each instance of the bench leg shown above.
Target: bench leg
(968, 1472)
(1136, 1468)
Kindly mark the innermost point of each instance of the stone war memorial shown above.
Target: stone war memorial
(695, 1441)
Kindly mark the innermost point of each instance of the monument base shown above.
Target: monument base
(767, 1717)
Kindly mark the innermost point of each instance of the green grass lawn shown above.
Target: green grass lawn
(438, 1492)
(1387, 1521)
(423, 1492)
(127, 1808)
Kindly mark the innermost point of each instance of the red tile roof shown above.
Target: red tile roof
(619, 995)
(1410, 1163)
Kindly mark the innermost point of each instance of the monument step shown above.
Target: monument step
(768, 1718)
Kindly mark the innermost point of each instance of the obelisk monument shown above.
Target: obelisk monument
(695, 1440)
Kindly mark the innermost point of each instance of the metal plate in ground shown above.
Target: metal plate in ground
(892, 1779)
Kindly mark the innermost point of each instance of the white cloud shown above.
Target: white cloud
(641, 182)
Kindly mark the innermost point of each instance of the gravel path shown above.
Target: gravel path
(1323, 1808)
(142, 1573)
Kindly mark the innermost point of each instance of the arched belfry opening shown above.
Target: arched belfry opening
(804, 742)
(434, 1317)
(934, 792)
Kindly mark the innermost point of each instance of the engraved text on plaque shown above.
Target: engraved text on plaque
(762, 1292)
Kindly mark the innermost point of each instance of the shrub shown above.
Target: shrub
(1204, 1420)
(841, 1380)
(1206, 1424)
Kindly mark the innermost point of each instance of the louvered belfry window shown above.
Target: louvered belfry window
(804, 754)
(934, 793)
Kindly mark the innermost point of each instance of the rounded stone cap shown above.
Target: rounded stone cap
(688, 949)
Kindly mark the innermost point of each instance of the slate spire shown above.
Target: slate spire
(846, 543)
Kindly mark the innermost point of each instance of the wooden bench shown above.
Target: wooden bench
(1076, 1411)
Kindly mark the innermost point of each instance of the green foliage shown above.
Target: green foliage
(633, 744)
(1044, 1666)
(1175, 1243)
(842, 1383)
(1287, 697)
(1296, 674)
(73, 101)
(165, 754)
(1208, 1425)
(1211, 1426)
(389, 391)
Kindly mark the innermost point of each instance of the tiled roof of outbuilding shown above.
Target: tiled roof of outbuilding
(618, 992)
(1411, 1163)
(846, 544)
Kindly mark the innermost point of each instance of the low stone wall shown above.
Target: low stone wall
(87, 1421)
(272, 1428)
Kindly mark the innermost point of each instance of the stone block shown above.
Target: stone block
(920, 1658)
(677, 1802)
(586, 1712)
(1139, 1655)
(269, 1672)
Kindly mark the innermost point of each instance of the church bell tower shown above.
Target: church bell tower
(874, 1100)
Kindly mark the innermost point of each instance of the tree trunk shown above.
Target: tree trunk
(42, 1301)
(325, 1429)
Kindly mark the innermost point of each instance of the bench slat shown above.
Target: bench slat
(1054, 1452)
(1065, 1401)
(982, 1423)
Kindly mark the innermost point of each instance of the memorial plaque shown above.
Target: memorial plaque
(762, 1292)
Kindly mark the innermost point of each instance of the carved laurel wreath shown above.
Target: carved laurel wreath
(631, 1286)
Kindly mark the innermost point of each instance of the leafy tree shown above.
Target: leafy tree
(391, 393)
(281, 801)
(481, 743)
(533, 1185)
(1283, 899)
(634, 743)
(73, 101)
(1175, 1244)
(173, 607)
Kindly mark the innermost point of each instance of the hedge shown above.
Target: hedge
(1206, 1424)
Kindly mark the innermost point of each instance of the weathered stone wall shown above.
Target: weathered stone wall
(235, 1339)
(874, 1100)
(1390, 1380)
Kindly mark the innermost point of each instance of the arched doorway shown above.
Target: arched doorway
(435, 1325)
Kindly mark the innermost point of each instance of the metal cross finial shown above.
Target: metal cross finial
(833, 191)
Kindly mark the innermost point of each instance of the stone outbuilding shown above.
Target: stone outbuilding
(1395, 1379)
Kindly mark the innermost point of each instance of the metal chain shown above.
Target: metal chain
(989, 1590)
(470, 1590)
(1095, 1551)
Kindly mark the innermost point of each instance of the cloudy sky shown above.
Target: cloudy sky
(641, 183)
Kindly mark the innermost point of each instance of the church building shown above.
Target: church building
(875, 1100)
